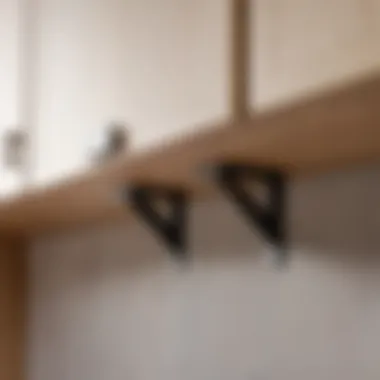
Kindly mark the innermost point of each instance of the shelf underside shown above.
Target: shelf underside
(330, 131)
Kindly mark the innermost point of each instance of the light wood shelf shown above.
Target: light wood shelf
(332, 130)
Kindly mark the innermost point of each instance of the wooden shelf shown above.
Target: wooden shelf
(330, 131)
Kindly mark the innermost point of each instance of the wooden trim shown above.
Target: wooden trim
(240, 58)
(12, 310)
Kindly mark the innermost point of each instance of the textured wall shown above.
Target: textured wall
(109, 304)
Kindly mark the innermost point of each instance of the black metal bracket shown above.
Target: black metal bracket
(171, 226)
(268, 215)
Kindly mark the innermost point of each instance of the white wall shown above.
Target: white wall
(110, 304)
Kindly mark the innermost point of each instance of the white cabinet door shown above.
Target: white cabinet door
(79, 44)
(303, 46)
(10, 180)
(159, 66)
(176, 66)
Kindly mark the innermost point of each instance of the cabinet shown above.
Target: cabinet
(163, 68)
(304, 46)
(159, 67)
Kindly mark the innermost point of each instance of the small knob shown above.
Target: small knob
(15, 143)
(115, 141)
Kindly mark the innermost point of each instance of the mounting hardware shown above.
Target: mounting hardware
(268, 216)
(145, 201)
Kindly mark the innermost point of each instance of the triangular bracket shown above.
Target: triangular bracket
(170, 226)
(267, 216)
